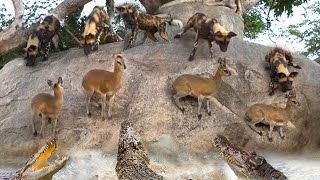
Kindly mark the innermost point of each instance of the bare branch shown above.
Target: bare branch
(15, 36)
(8, 34)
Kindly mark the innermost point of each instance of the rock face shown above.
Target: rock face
(146, 100)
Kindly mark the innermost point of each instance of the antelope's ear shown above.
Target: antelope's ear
(60, 81)
(293, 74)
(231, 34)
(281, 75)
(49, 83)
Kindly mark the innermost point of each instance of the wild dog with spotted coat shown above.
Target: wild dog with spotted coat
(279, 59)
(41, 39)
(94, 29)
(149, 23)
(209, 29)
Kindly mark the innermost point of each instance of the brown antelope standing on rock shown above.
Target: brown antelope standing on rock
(47, 106)
(202, 86)
(104, 83)
(271, 115)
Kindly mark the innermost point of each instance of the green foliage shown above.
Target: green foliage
(308, 31)
(282, 6)
(253, 24)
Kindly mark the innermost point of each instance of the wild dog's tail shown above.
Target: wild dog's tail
(167, 18)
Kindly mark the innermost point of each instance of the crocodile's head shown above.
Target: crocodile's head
(38, 166)
(242, 162)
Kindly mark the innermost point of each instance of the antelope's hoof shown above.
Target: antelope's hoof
(183, 110)
(35, 134)
(260, 133)
(109, 117)
(271, 93)
(89, 115)
(190, 58)
(103, 118)
(270, 139)
(199, 116)
(282, 137)
(209, 113)
(44, 58)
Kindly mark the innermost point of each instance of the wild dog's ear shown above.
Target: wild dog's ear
(293, 74)
(50, 83)
(231, 34)
(288, 55)
(267, 57)
(281, 75)
(60, 81)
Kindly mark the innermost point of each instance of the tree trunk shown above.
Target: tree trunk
(15, 35)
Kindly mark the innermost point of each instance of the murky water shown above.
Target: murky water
(90, 164)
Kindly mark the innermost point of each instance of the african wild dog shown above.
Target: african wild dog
(278, 60)
(209, 29)
(39, 42)
(94, 29)
(150, 23)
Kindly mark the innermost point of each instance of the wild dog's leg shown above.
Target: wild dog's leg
(270, 132)
(96, 45)
(200, 99)
(162, 32)
(110, 106)
(151, 36)
(210, 48)
(55, 126)
(281, 132)
(32, 124)
(185, 29)
(134, 30)
(252, 124)
(103, 107)
(176, 99)
(195, 45)
(46, 50)
(88, 99)
(208, 107)
(290, 63)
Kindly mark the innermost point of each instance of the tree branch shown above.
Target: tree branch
(15, 36)
(8, 34)
(247, 4)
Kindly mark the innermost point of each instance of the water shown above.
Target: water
(96, 165)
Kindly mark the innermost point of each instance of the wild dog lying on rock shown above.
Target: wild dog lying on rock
(202, 86)
(278, 60)
(94, 29)
(271, 115)
(150, 23)
(209, 29)
(41, 39)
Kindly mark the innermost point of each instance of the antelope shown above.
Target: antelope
(202, 86)
(104, 83)
(271, 115)
(47, 106)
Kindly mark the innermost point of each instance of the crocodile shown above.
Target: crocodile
(38, 167)
(246, 164)
(133, 160)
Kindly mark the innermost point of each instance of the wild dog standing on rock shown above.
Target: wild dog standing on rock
(202, 86)
(150, 23)
(41, 39)
(271, 115)
(104, 83)
(47, 106)
(94, 29)
(209, 29)
(278, 60)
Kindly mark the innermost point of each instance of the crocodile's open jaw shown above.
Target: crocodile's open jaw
(39, 167)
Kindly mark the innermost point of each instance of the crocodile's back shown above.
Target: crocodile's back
(267, 172)
(132, 160)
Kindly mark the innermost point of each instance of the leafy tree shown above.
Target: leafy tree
(308, 31)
